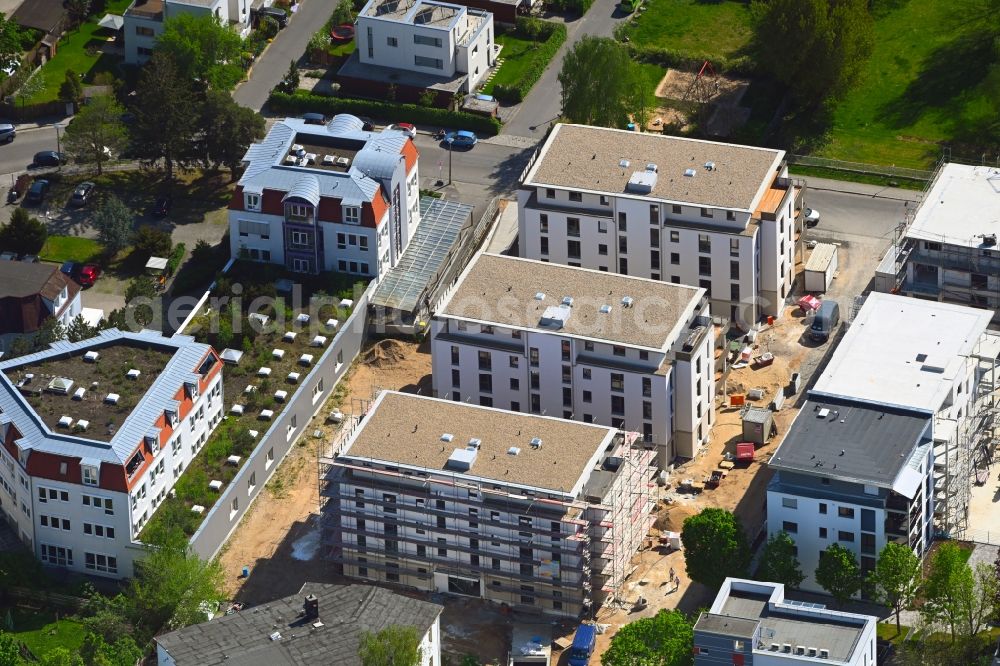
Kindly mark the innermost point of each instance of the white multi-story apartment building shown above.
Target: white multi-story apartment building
(751, 623)
(933, 358)
(714, 215)
(94, 434)
(625, 352)
(532, 511)
(427, 36)
(30, 293)
(332, 197)
(856, 474)
(948, 251)
(144, 20)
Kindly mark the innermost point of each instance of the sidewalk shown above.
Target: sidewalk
(863, 189)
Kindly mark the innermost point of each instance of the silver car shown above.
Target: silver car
(7, 132)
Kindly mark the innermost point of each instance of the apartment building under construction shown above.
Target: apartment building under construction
(521, 509)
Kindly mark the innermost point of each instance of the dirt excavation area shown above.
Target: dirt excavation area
(278, 538)
(680, 92)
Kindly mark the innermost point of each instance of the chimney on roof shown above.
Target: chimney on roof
(311, 607)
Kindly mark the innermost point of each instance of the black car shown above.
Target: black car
(162, 206)
(70, 268)
(277, 14)
(37, 191)
(49, 158)
(81, 195)
(367, 124)
(314, 118)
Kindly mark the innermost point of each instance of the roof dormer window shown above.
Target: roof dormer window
(251, 201)
(352, 215)
(89, 475)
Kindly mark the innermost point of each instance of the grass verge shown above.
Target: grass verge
(716, 30)
(886, 631)
(855, 177)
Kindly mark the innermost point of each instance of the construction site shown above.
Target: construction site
(703, 97)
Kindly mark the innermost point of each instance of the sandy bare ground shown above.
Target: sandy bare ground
(723, 90)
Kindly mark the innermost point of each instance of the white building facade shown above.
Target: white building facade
(327, 198)
(607, 361)
(426, 36)
(79, 502)
(143, 21)
(718, 216)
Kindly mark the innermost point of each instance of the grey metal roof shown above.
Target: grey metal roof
(345, 611)
(854, 441)
(441, 221)
(305, 187)
(160, 395)
(372, 165)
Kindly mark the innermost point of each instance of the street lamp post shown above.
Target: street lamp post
(451, 145)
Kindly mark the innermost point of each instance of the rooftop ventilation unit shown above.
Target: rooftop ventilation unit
(555, 316)
(540, 296)
(567, 301)
(627, 301)
(329, 160)
(343, 161)
(447, 437)
(605, 309)
(823, 413)
(513, 451)
(641, 182)
(690, 173)
(651, 167)
(709, 166)
(133, 373)
(536, 442)
(475, 443)
(91, 357)
(624, 164)
(461, 460)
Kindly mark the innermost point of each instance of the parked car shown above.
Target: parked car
(162, 206)
(49, 158)
(314, 118)
(276, 13)
(69, 268)
(367, 124)
(81, 195)
(8, 256)
(461, 139)
(406, 128)
(30, 259)
(825, 321)
(88, 275)
(7, 132)
(811, 217)
(583, 645)
(37, 191)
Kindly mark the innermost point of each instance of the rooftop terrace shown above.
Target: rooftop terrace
(409, 430)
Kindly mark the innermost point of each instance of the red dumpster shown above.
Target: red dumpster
(744, 452)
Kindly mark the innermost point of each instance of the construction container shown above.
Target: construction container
(757, 424)
(820, 268)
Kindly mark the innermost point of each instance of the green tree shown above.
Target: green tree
(113, 221)
(10, 40)
(60, 656)
(98, 652)
(71, 90)
(715, 547)
(838, 572)
(174, 586)
(778, 562)
(665, 639)
(229, 131)
(290, 83)
(79, 329)
(977, 604)
(96, 130)
(815, 47)
(140, 296)
(78, 10)
(203, 48)
(166, 114)
(24, 234)
(31, 87)
(10, 654)
(108, 617)
(602, 85)
(268, 27)
(949, 580)
(150, 241)
(395, 645)
(896, 578)
(50, 331)
(342, 13)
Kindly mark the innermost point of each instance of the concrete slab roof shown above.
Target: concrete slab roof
(962, 206)
(586, 158)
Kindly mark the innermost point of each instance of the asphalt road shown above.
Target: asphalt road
(269, 69)
(857, 214)
(544, 104)
(16, 156)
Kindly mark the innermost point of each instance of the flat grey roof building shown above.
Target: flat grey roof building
(410, 430)
(505, 291)
(593, 159)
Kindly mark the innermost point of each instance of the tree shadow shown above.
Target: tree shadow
(506, 175)
(948, 74)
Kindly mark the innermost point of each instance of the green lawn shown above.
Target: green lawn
(341, 48)
(886, 631)
(694, 27)
(71, 54)
(41, 632)
(516, 55)
(70, 248)
(920, 88)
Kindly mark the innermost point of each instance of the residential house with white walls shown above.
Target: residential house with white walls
(143, 20)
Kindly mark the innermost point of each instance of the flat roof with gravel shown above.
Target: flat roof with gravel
(408, 430)
(504, 291)
(580, 157)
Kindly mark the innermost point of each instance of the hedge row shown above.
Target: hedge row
(551, 36)
(303, 102)
(578, 7)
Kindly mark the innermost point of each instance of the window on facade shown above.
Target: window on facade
(790, 527)
(573, 226)
(543, 245)
(352, 215)
(392, 41)
(675, 258)
(845, 536)
(102, 563)
(89, 475)
(618, 405)
(300, 211)
(485, 360)
(424, 61)
(573, 249)
(617, 381)
(705, 266)
(425, 40)
(845, 512)
(251, 201)
(576, 196)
